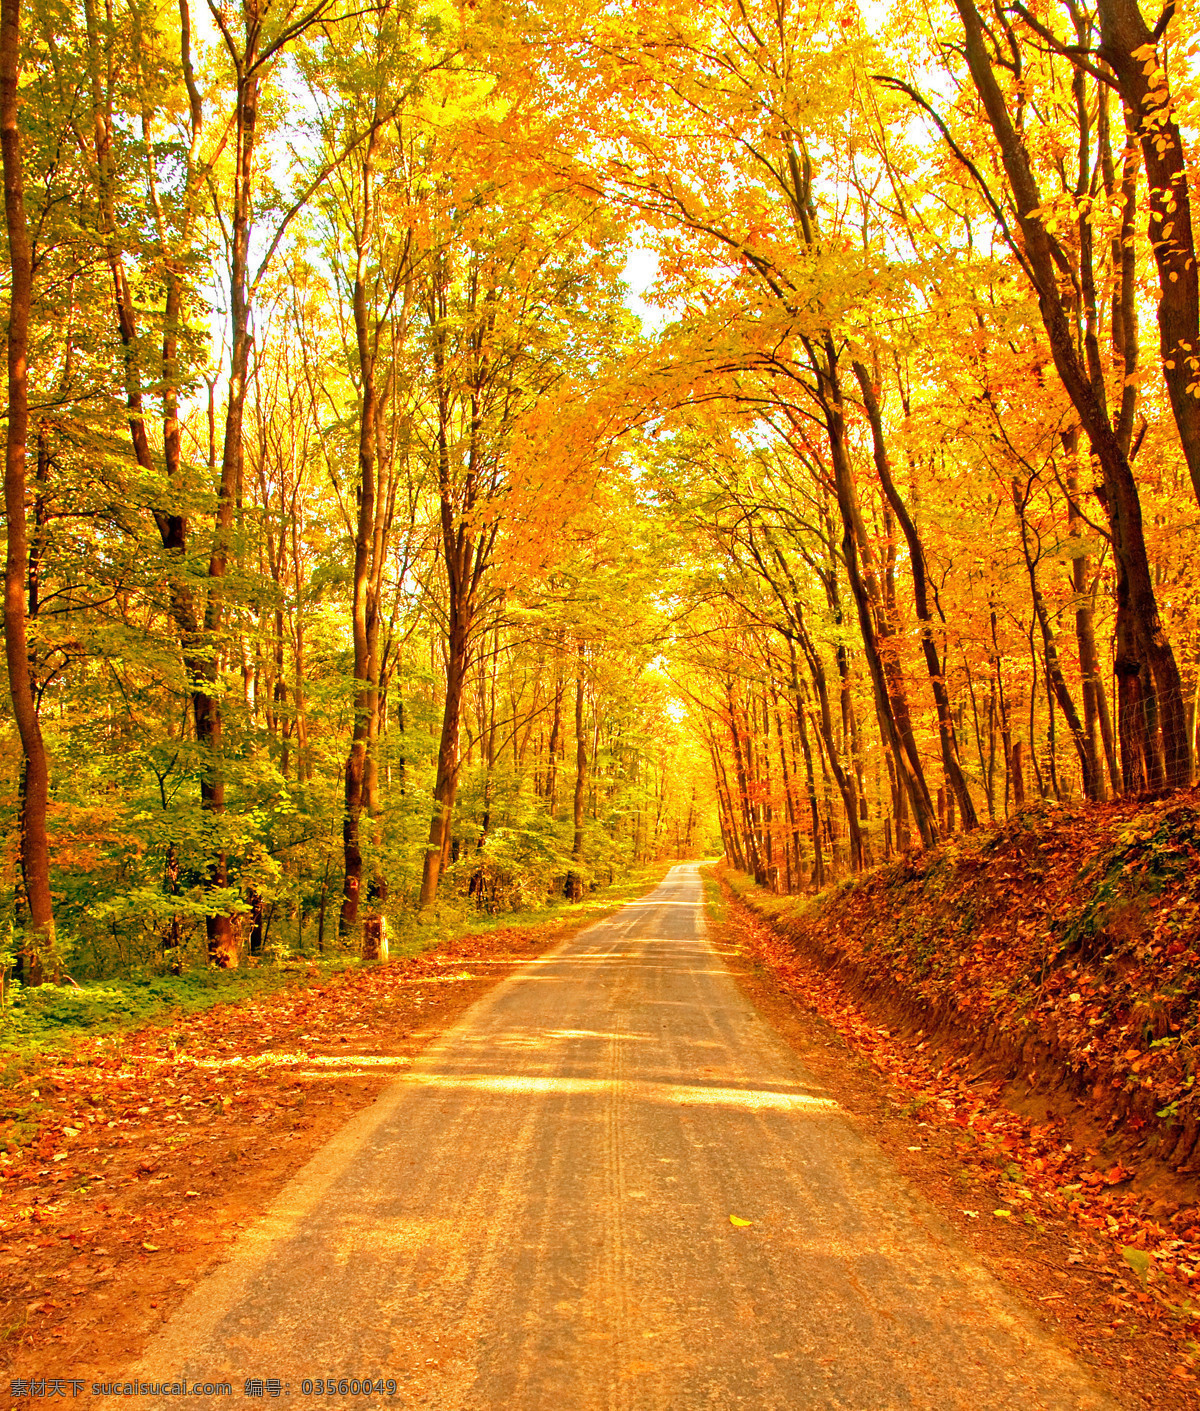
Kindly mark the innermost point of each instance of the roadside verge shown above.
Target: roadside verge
(147, 1151)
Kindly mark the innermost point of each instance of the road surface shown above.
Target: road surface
(537, 1215)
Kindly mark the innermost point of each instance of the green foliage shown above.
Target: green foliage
(494, 292)
(714, 897)
(49, 1015)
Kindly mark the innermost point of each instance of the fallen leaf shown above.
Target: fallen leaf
(1137, 1259)
(739, 1222)
(153, 1248)
(1002, 1214)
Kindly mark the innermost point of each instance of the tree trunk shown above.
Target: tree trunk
(810, 783)
(824, 723)
(1095, 699)
(34, 842)
(792, 843)
(574, 886)
(725, 811)
(466, 554)
(891, 705)
(920, 574)
(370, 538)
(221, 926)
(555, 737)
(1055, 682)
(447, 762)
(1131, 48)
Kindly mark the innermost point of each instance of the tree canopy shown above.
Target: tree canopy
(367, 554)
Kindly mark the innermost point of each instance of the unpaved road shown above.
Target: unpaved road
(536, 1215)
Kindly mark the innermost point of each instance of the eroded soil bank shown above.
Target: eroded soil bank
(1063, 948)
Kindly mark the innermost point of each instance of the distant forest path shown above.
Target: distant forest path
(538, 1214)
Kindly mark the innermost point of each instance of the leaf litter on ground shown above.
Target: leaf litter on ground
(131, 1159)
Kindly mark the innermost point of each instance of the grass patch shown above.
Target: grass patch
(47, 1016)
(714, 898)
(51, 1017)
(414, 933)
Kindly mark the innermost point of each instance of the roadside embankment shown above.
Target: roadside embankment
(1105, 1248)
(1061, 949)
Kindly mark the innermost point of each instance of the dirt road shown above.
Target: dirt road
(537, 1215)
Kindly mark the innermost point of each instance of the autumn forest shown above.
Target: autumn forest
(456, 454)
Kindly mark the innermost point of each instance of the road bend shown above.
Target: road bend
(536, 1215)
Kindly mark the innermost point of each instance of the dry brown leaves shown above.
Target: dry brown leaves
(156, 1146)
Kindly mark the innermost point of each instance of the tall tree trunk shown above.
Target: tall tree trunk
(220, 925)
(362, 765)
(810, 784)
(920, 574)
(34, 843)
(1096, 722)
(890, 701)
(766, 793)
(445, 787)
(466, 554)
(842, 778)
(304, 767)
(1056, 683)
(555, 735)
(792, 845)
(744, 782)
(725, 809)
(574, 887)
(1131, 48)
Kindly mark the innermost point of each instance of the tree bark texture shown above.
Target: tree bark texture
(1131, 48)
(34, 842)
